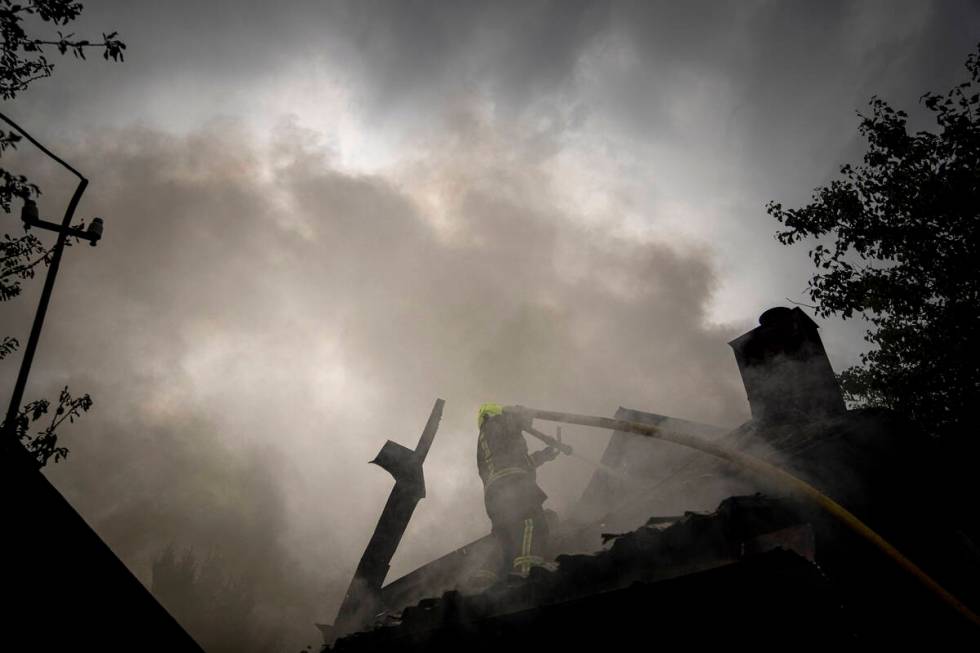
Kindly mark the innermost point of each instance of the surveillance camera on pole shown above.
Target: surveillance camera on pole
(30, 216)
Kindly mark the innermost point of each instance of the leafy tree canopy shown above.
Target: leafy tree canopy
(898, 244)
(22, 56)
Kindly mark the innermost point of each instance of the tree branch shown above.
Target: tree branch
(24, 268)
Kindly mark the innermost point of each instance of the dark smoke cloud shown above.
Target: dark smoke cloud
(256, 323)
(260, 317)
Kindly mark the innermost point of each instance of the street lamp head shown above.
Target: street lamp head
(95, 231)
(29, 212)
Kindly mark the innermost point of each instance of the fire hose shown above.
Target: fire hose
(765, 470)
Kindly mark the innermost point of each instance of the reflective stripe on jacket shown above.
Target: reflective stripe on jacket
(502, 451)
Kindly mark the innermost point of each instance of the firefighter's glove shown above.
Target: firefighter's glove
(543, 456)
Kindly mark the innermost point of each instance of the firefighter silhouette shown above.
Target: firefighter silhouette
(513, 500)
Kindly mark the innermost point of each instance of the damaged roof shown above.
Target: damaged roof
(758, 569)
(751, 556)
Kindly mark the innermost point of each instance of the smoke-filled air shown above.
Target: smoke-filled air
(320, 218)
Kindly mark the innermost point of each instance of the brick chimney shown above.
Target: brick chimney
(785, 369)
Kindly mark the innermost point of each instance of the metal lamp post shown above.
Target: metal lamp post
(31, 218)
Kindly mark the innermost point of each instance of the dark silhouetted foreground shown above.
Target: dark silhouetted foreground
(63, 588)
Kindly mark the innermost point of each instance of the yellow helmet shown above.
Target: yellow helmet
(487, 410)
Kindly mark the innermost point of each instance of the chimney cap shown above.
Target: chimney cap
(775, 315)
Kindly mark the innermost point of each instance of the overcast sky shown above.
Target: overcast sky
(322, 216)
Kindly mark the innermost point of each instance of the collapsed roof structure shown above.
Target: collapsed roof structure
(708, 552)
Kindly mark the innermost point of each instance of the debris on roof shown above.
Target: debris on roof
(650, 580)
(758, 569)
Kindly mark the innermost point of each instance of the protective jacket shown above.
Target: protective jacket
(511, 494)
